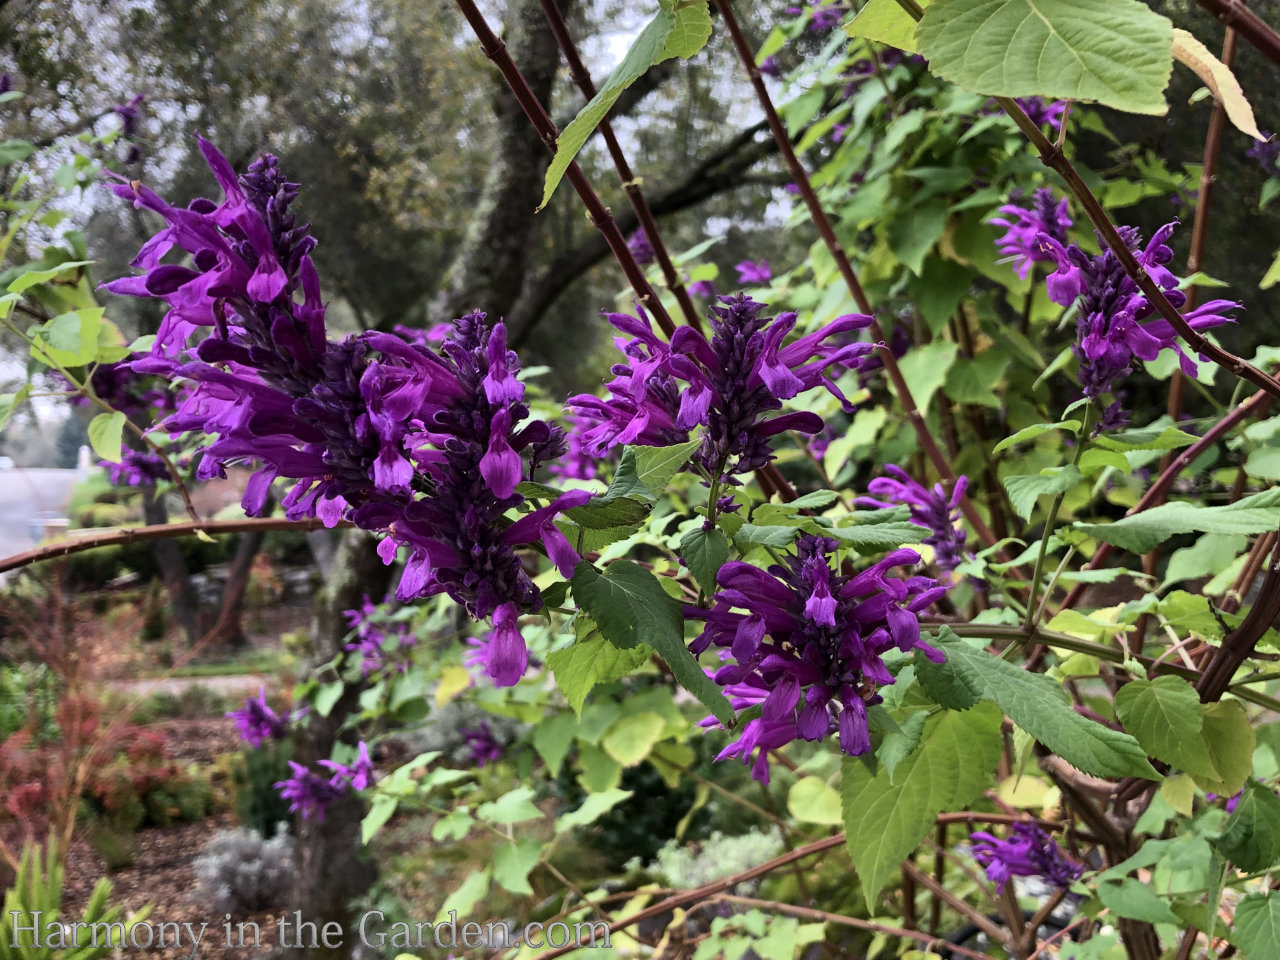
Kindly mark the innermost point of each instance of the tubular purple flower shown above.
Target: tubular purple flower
(750, 271)
(808, 646)
(359, 775)
(1020, 242)
(1110, 333)
(930, 508)
(309, 793)
(257, 722)
(484, 746)
(1028, 852)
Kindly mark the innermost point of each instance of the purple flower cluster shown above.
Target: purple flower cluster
(423, 444)
(257, 722)
(310, 794)
(1043, 112)
(484, 746)
(1047, 215)
(1267, 153)
(727, 385)
(1029, 852)
(640, 247)
(752, 271)
(930, 508)
(577, 462)
(1109, 328)
(137, 468)
(823, 17)
(377, 639)
(808, 648)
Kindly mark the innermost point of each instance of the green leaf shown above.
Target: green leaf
(877, 530)
(811, 800)
(512, 863)
(381, 809)
(1136, 900)
(679, 30)
(975, 381)
(452, 826)
(925, 368)
(553, 736)
(1149, 438)
(1164, 716)
(1027, 434)
(590, 662)
(69, 339)
(464, 899)
(704, 553)
(912, 233)
(887, 22)
(601, 513)
(1212, 553)
(630, 607)
(1179, 791)
(945, 686)
(886, 818)
(600, 772)
(898, 744)
(327, 697)
(1257, 925)
(15, 151)
(1113, 52)
(1251, 837)
(941, 284)
(10, 402)
(33, 277)
(593, 808)
(749, 535)
(1037, 704)
(1143, 531)
(1026, 489)
(514, 806)
(631, 737)
(645, 472)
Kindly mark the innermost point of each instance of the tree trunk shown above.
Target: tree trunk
(331, 869)
(228, 629)
(183, 599)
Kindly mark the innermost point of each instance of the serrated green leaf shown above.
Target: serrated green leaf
(1150, 438)
(512, 863)
(811, 800)
(69, 339)
(1231, 740)
(381, 809)
(974, 381)
(645, 472)
(630, 607)
(601, 513)
(750, 535)
(10, 402)
(632, 736)
(1027, 434)
(1026, 489)
(327, 696)
(941, 284)
(466, 896)
(1136, 900)
(678, 30)
(1141, 532)
(704, 553)
(1251, 837)
(1179, 791)
(898, 744)
(514, 806)
(1164, 716)
(553, 736)
(1257, 925)
(592, 661)
(592, 809)
(886, 818)
(925, 368)
(1037, 704)
(1113, 52)
(912, 233)
(886, 22)
(33, 277)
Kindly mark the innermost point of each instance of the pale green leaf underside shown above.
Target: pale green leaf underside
(1114, 52)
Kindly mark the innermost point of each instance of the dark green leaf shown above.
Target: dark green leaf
(591, 661)
(1251, 837)
(704, 553)
(1141, 532)
(1026, 489)
(1164, 716)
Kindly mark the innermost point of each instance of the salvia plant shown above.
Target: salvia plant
(894, 528)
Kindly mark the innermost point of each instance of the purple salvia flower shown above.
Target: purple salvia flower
(1047, 216)
(359, 775)
(702, 288)
(129, 114)
(824, 17)
(1029, 852)
(808, 646)
(577, 463)
(6, 82)
(1042, 112)
(1267, 153)
(309, 793)
(257, 722)
(640, 247)
(136, 468)
(751, 271)
(1110, 333)
(484, 747)
(930, 508)
(770, 67)
(745, 372)
(425, 446)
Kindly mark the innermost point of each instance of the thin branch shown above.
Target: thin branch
(159, 531)
(1235, 14)
(630, 184)
(496, 51)
(841, 258)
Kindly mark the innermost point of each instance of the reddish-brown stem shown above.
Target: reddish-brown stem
(979, 920)
(1166, 478)
(496, 51)
(159, 531)
(1235, 14)
(1238, 644)
(843, 264)
(1253, 566)
(580, 75)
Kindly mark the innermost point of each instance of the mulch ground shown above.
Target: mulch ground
(163, 873)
